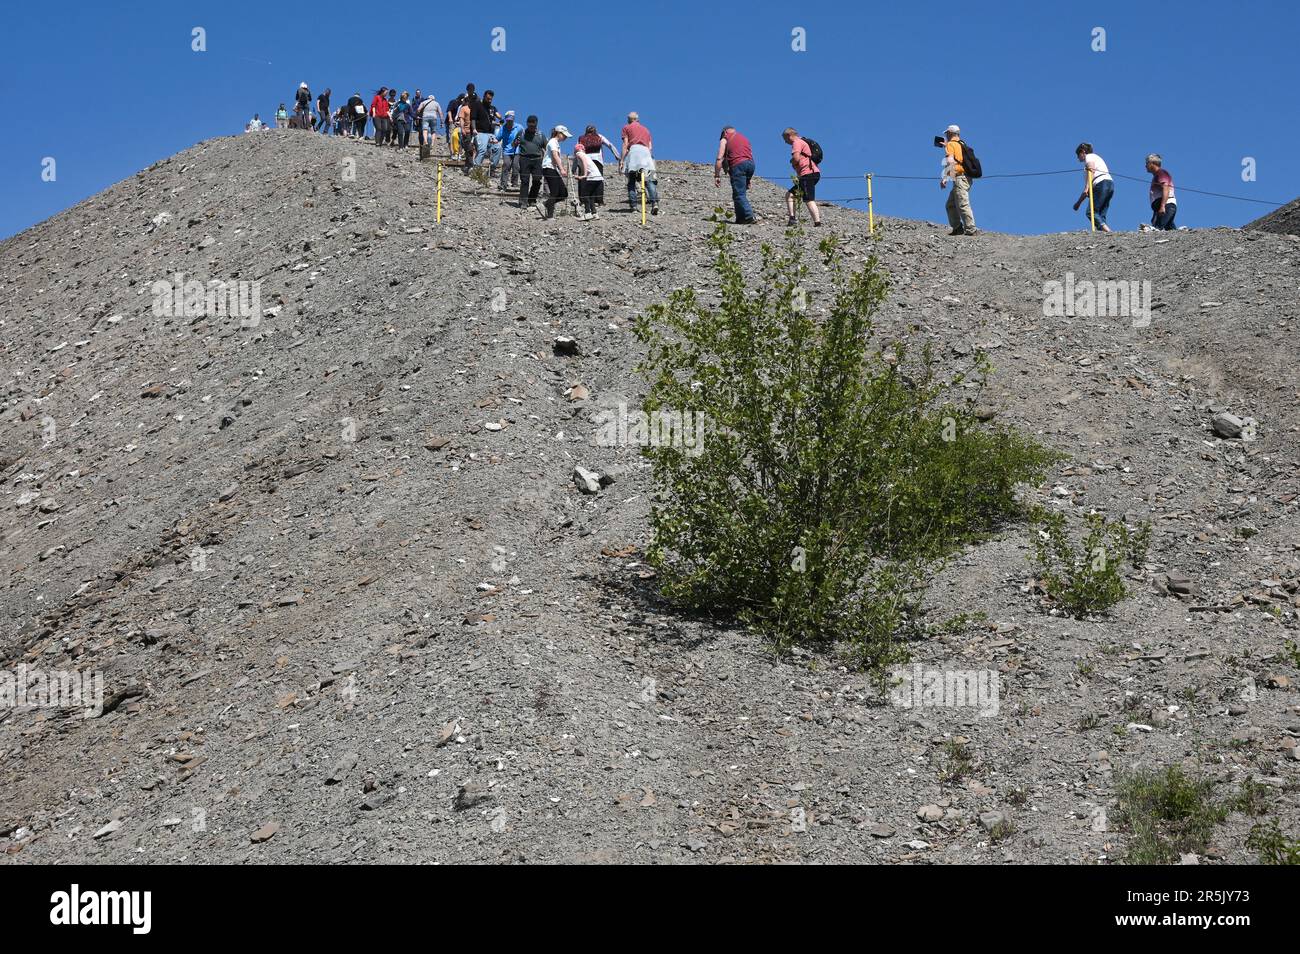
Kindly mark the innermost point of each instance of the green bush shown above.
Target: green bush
(1167, 814)
(1085, 579)
(831, 473)
(1273, 846)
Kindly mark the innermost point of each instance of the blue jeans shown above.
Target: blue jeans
(740, 174)
(1102, 192)
(1166, 221)
(634, 189)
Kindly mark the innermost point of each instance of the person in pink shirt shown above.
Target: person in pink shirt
(808, 174)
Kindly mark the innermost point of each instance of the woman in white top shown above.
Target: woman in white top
(552, 166)
(1103, 185)
(591, 184)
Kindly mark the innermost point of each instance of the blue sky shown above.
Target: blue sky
(108, 88)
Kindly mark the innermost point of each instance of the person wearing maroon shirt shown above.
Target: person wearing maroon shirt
(1164, 203)
(736, 156)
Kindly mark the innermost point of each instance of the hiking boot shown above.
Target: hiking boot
(789, 223)
(654, 209)
(973, 232)
(957, 232)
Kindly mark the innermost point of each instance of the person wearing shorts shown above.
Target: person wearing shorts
(809, 175)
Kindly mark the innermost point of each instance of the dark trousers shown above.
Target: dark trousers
(1166, 221)
(530, 178)
(555, 186)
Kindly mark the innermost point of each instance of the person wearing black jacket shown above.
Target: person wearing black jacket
(532, 144)
(356, 113)
(449, 119)
(323, 112)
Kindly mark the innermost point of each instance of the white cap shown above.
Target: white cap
(302, 85)
(954, 128)
(563, 131)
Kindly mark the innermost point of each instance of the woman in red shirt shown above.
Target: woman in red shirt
(379, 113)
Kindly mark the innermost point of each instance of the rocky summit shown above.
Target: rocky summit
(313, 485)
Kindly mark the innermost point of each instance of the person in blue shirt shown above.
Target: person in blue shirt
(508, 136)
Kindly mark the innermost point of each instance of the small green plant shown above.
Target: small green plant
(1167, 814)
(1085, 579)
(481, 175)
(832, 472)
(1292, 653)
(1018, 796)
(1001, 831)
(957, 762)
(1086, 669)
(1252, 799)
(1089, 721)
(1273, 846)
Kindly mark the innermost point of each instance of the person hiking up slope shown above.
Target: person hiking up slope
(960, 215)
(323, 115)
(809, 175)
(356, 116)
(1103, 185)
(591, 181)
(532, 149)
(430, 116)
(1164, 204)
(302, 106)
(553, 170)
(379, 115)
(736, 156)
(638, 163)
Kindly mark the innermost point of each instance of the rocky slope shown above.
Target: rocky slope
(1285, 220)
(349, 604)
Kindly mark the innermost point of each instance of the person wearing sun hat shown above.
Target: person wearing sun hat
(552, 170)
(960, 215)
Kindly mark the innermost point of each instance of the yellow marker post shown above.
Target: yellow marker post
(643, 197)
(871, 212)
(440, 192)
(1092, 213)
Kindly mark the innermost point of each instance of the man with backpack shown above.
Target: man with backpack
(804, 156)
(302, 106)
(955, 167)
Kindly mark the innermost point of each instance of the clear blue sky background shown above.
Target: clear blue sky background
(108, 88)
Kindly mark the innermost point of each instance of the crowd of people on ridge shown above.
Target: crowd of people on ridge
(522, 158)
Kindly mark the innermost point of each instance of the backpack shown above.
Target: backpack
(814, 150)
(970, 162)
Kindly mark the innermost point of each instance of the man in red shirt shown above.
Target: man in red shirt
(634, 134)
(736, 156)
(809, 175)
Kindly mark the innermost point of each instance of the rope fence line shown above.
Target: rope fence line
(870, 176)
